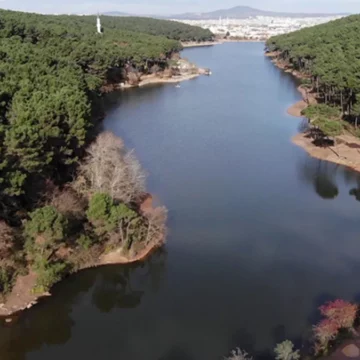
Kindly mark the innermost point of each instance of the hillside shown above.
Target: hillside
(64, 204)
(328, 57)
(170, 29)
(241, 12)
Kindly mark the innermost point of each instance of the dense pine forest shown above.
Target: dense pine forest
(328, 58)
(56, 192)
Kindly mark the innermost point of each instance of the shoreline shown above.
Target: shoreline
(345, 151)
(156, 80)
(23, 298)
(217, 42)
(16, 304)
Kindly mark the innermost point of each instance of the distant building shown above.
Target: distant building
(98, 25)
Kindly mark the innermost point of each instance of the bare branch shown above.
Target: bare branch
(110, 168)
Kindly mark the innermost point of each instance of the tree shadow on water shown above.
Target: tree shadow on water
(51, 322)
(176, 353)
(123, 287)
(322, 177)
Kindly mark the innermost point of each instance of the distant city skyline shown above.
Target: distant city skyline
(166, 7)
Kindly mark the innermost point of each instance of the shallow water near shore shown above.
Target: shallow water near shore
(260, 233)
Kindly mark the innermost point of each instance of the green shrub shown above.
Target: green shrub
(121, 212)
(85, 242)
(105, 216)
(7, 278)
(326, 118)
(48, 223)
(329, 127)
(49, 274)
(99, 207)
(321, 110)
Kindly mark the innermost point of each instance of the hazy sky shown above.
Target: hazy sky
(177, 6)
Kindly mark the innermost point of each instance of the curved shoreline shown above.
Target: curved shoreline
(345, 152)
(22, 297)
(157, 80)
(20, 304)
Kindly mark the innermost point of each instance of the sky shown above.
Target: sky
(166, 7)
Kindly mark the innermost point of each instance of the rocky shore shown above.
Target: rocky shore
(346, 148)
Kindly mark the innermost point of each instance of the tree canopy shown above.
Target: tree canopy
(51, 71)
(329, 54)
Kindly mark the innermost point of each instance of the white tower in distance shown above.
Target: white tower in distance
(98, 24)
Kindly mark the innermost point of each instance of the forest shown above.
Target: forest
(170, 29)
(328, 58)
(57, 214)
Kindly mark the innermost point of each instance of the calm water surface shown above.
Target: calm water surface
(260, 233)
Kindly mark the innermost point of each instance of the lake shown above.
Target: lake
(260, 234)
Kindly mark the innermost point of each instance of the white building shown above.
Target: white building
(98, 25)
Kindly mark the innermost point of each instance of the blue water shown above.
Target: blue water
(260, 234)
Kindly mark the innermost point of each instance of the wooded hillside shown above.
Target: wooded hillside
(67, 200)
(329, 56)
(51, 70)
(170, 29)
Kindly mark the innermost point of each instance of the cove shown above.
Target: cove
(260, 234)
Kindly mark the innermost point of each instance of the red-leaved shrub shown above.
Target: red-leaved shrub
(338, 314)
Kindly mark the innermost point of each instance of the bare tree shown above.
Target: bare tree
(110, 168)
(156, 229)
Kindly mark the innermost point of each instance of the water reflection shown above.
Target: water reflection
(51, 322)
(322, 176)
(125, 288)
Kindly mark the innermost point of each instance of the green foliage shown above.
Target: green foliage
(326, 118)
(285, 351)
(51, 71)
(47, 223)
(85, 242)
(7, 278)
(119, 213)
(321, 110)
(106, 216)
(329, 54)
(49, 274)
(169, 29)
(329, 127)
(99, 207)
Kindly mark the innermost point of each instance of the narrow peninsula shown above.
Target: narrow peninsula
(72, 197)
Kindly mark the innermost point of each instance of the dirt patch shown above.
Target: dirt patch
(21, 296)
(343, 153)
(309, 98)
(296, 109)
